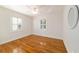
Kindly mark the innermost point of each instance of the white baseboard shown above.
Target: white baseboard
(8, 40)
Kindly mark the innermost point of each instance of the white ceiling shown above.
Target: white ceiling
(50, 9)
(28, 9)
(24, 9)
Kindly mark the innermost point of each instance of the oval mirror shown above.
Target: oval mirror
(73, 17)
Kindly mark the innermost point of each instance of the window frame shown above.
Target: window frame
(16, 24)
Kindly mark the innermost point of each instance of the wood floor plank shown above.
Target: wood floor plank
(34, 44)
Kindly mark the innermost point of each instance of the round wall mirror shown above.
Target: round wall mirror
(73, 17)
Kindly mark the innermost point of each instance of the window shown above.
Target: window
(16, 23)
(43, 24)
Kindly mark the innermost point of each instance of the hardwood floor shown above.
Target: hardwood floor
(34, 44)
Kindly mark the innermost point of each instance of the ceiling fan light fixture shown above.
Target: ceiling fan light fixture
(35, 10)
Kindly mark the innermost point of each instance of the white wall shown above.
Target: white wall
(71, 37)
(54, 17)
(6, 33)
